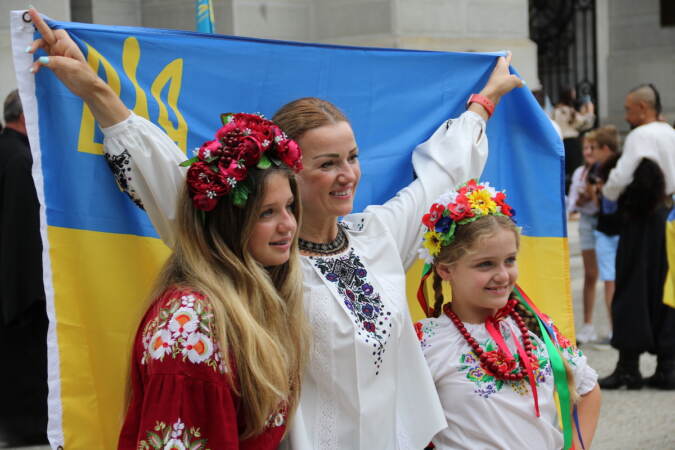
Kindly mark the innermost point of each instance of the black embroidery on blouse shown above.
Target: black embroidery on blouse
(121, 169)
(370, 315)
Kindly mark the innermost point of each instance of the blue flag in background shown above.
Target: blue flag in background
(204, 16)
(102, 253)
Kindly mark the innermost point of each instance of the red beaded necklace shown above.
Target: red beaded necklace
(497, 362)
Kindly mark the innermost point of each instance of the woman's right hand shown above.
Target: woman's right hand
(67, 62)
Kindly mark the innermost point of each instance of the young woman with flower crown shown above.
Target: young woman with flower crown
(366, 373)
(218, 357)
(496, 377)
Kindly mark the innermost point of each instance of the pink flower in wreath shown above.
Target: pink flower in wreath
(461, 209)
(434, 214)
(210, 149)
(504, 207)
(290, 154)
(234, 170)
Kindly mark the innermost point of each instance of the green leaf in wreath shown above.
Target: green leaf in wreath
(264, 163)
(240, 195)
(189, 162)
(226, 118)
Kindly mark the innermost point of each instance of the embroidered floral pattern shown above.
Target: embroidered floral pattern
(182, 329)
(424, 331)
(353, 226)
(562, 340)
(120, 165)
(570, 352)
(485, 384)
(370, 315)
(276, 419)
(174, 437)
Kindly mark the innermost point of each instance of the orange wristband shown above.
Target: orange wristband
(483, 101)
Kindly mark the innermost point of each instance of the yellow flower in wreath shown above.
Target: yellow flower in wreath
(481, 202)
(432, 242)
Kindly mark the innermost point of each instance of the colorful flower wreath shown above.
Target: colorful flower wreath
(220, 167)
(471, 201)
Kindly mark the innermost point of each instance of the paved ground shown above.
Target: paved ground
(629, 420)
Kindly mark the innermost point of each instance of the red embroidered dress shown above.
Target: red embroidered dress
(181, 397)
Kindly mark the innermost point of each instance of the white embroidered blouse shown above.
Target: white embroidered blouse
(367, 385)
(486, 413)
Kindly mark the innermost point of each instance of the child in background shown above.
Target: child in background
(496, 379)
(581, 199)
(606, 233)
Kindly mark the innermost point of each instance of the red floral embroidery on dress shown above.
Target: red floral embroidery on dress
(562, 340)
(174, 437)
(182, 329)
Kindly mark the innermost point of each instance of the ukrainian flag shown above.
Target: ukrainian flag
(669, 288)
(101, 252)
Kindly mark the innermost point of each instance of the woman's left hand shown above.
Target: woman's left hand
(501, 81)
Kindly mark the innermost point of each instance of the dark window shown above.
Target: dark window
(667, 13)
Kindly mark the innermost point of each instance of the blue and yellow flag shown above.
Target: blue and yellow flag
(669, 287)
(204, 16)
(101, 252)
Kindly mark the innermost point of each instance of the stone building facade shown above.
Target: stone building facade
(632, 45)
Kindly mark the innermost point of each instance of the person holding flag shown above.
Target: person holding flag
(366, 375)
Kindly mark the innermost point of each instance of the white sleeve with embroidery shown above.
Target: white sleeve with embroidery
(455, 153)
(145, 162)
(585, 377)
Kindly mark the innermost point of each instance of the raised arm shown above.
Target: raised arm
(456, 152)
(144, 160)
(67, 62)
(500, 83)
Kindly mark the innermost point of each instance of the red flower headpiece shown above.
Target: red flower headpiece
(471, 201)
(221, 166)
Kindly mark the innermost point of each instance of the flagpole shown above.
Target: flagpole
(205, 22)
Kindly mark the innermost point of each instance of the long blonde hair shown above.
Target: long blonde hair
(258, 312)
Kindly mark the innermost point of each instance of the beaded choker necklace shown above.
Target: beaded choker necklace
(500, 363)
(336, 245)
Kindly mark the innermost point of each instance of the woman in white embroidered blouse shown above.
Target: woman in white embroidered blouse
(366, 377)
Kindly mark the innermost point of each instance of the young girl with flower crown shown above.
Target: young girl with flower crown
(219, 355)
(497, 362)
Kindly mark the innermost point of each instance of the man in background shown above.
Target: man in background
(643, 181)
(23, 318)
